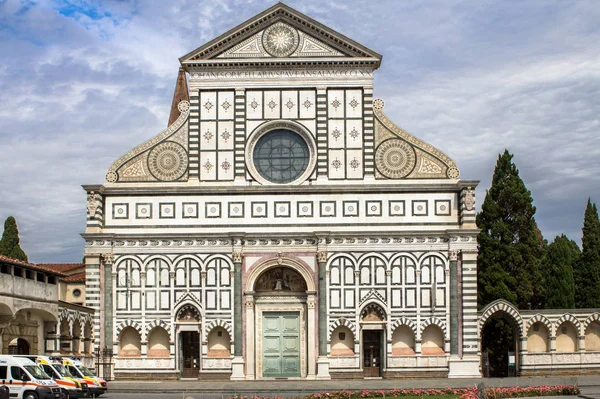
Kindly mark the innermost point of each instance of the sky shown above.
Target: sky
(82, 82)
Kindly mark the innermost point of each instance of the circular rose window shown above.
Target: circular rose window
(281, 156)
(281, 153)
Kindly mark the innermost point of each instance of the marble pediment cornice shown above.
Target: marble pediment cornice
(242, 46)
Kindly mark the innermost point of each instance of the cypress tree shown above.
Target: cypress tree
(559, 262)
(9, 244)
(510, 243)
(587, 273)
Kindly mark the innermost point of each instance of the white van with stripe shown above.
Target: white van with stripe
(26, 380)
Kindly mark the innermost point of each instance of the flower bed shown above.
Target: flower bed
(526, 392)
(446, 393)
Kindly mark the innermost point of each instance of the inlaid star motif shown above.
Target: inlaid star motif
(208, 166)
(336, 164)
(272, 104)
(208, 105)
(208, 135)
(225, 135)
(336, 103)
(354, 164)
(354, 133)
(289, 104)
(307, 104)
(336, 133)
(354, 103)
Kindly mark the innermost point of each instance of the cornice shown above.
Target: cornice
(156, 189)
(278, 63)
(280, 12)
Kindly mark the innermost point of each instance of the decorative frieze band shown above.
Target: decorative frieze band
(279, 242)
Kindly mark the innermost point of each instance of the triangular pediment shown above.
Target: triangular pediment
(264, 45)
(280, 34)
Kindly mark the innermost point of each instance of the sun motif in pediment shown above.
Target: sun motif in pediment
(280, 40)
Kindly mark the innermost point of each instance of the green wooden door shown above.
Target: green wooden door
(281, 344)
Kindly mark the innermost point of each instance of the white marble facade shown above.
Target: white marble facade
(283, 194)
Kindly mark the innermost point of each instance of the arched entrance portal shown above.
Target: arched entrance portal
(372, 324)
(500, 336)
(280, 320)
(188, 319)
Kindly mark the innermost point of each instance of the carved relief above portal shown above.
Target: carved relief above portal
(280, 279)
(188, 314)
(372, 312)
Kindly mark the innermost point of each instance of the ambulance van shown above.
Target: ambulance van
(71, 386)
(26, 380)
(96, 385)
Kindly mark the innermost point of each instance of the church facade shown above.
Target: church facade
(282, 226)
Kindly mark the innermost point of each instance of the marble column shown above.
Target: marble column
(237, 364)
(323, 360)
(454, 331)
(250, 355)
(108, 260)
(310, 304)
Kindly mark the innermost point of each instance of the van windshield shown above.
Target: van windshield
(62, 370)
(85, 371)
(74, 371)
(37, 372)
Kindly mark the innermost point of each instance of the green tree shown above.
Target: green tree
(510, 243)
(559, 262)
(9, 244)
(587, 272)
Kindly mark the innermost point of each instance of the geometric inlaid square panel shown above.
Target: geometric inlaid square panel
(305, 209)
(236, 209)
(373, 208)
(419, 208)
(190, 210)
(327, 208)
(442, 207)
(350, 208)
(213, 209)
(259, 209)
(282, 209)
(120, 211)
(166, 210)
(143, 211)
(397, 208)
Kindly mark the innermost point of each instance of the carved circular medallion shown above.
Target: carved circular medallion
(111, 177)
(280, 40)
(183, 106)
(395, 158)
(453, 172)
(378, 103)
(168, 161)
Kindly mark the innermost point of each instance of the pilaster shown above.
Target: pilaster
(92, 294)
(322, 132)
(323, 360)
(108, 260)
(454, 332)
(240, 134)
(237, 363)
